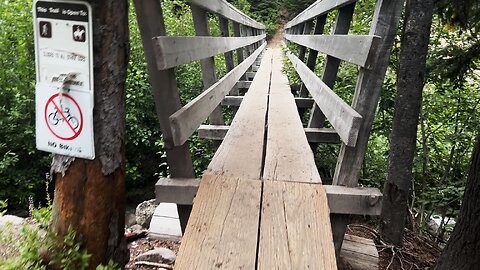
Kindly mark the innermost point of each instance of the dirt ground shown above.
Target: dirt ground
(418, 252)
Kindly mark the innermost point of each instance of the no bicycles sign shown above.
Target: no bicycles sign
(64, 65)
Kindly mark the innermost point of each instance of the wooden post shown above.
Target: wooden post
(167, 100)
(200, 22)
(367, 93)
(305, 30)
(90, 195)
(330, 71)
(237, 33)
(312, 54)
(228, 55)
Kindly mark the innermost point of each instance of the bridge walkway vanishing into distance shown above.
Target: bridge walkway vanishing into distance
(261, 203)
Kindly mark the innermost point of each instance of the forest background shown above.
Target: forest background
(447, 128)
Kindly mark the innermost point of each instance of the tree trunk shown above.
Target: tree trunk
(463, 248)
(411, 74)
(90, 195)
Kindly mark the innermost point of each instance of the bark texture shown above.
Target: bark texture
(410, 81)
(463, 248)
(90, 195)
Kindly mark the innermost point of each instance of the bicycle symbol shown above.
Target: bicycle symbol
(55, 117)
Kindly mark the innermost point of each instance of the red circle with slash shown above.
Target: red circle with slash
(65, 122)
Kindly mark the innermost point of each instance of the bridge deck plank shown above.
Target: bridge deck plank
(288, 154)
(223, 227)
(241, 152)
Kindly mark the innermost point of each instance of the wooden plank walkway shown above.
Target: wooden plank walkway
(260, 204)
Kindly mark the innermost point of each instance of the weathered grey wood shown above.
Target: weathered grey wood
(250, 75)
(224, 28)
(250, 48)
(236, 100)
(304, 102)
(341, 200)
(200, 23)
(165, 94)
(367, 93)
(186, 120)
(317, 118)
(174, 51)
(322, 135)
(228, 11)
(244, 84)
(245, 159)
(176, 190)
(307, 30)
(342, 26)
(232, 101)
(237, 33)
(212, 132)
(359, 253)
(356, 201)
(295, 228)
(351, 48)
(318, 8)
(312, 54)
(365, 100)
(343, 118)
(218, 235)
(288, 155)
(314, 135)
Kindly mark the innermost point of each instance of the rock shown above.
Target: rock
(144, 212)
(13, 220)
(158, 255)
(130, 218)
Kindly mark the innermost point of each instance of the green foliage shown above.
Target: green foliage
(21, 165)
(37, 248)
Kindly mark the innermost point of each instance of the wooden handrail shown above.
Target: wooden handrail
(351, 48)
(186, 120)
(227, 10)
(318, 8)
(343, 118)
(175, 51)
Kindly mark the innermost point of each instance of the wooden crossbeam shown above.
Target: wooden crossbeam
(314, 135)
(237, 100)
(343, 118)
(250, 75)
(351, 48)
(244, 84)
(174, 51)
(341, 200)
(186, 120)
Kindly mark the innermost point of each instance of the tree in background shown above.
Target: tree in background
(462, 251)
(408, 101)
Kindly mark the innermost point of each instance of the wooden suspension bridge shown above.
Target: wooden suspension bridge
(261, 203)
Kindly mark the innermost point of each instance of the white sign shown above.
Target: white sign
(64, 65)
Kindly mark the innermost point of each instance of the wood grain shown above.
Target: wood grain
(288, 154)
(241, 152)
(318, 8)
(295, 228)
(186, 120)
(223, 227)
(174, 51)
(343, 118)
(227, 10)
(351, 48)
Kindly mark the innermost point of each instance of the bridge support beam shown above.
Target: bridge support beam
(341, 200)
